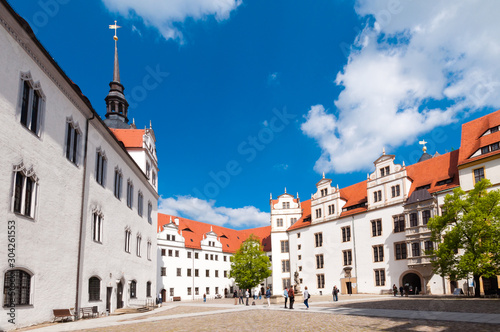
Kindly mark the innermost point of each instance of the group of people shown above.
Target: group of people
(407, 289)
(239, 294)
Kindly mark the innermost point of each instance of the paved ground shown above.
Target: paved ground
(351, 313)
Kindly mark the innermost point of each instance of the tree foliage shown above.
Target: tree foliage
(469, 234)
(250, 265)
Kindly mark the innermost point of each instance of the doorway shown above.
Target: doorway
(348, 285)
(119, 293)
(412, 280)
(109, 291)
(163, 295)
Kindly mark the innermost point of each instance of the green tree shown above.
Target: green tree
(469, 234)
(250, 265)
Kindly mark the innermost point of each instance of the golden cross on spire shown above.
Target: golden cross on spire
(114, 26)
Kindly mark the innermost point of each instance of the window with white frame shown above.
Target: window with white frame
(377, 196)
(100, 167)
(31, 104)
(128, 234)
(284, 246)
(163, 272)
(395, 191)
(73, 135)
(279, 222)
(179, 272)
(118, 183)
(384, 171)
(150, 212)
(97, 220)
(138, 248)
(25, 191)
(130, 193)
(286, 205)
(140, 202)
(318, 237)
(331, 209)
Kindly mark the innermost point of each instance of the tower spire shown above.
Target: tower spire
(116, 104)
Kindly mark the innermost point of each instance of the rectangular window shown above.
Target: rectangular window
(189, 291)
(378, 253)
(225, 258)
(400, 249)
(331, 209)
(320, 261)
(379, 277)
(217, 273)
(478, 174)
(72, 142)
(207, 273)
(321, 281)
(127, 240)
(377, 196)
(285, 282)
(225, 274)
(384, 171)
(426, 215)
(279, 222)
(149, 250)
(196, 291)
(171, 292)
(170, 252)
(346, 234)
(429, 247)
(216, 290)
(293, 221)
(97, 228)
(376, 227)
(130, 194)
(299, 257)
(118, 184)
(413, 219)
(138, 248)
(31, 108)
(415, 249)
(189, 272)
(177, 253)
(150, 213)
(286, 205)
(140, 202)
(299, 246)
(196, 273)
(318, 237)
(25, 194)
(347, 257)
(195, 255)
(285, 266)
(206, 257)
(399, 223)
(179, 272)
(189, 254)
(163, 271)
(284, 246)
(395, 191)
(100, 168)
(318, 213)
(163, 252)
(208, 291)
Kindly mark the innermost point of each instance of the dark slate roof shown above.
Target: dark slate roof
(425, 156)
(419, 196)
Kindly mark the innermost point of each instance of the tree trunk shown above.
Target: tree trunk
(477, 286)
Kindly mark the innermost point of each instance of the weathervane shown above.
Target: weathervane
(423, 142)
(114, 26)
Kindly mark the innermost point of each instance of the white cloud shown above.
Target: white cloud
(273, 79)
(206, 211)
(168, 16)
(413, 53)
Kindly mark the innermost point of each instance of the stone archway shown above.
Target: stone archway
(414, 281)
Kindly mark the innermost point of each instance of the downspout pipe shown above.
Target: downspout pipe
(82, 210)
(355, 257)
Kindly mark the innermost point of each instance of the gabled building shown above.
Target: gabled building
(194, 258)
(77, 192)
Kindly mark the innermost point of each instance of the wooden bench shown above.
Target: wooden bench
(89, 311)
(63, 314)
(176, 298)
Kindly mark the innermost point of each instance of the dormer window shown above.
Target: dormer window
(384, 171)
(324, 192)
(286, 205)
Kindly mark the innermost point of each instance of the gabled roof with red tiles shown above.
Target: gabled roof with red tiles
(354, 194)
(434, 170)
(305, 220)
(131, 138)
(231, 239)
(472, 140)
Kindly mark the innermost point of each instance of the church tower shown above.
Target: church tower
(116, 104)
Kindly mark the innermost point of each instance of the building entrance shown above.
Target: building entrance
(119, 293)
(413, 281)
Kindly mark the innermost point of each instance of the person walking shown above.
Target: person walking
(401, 290)
(395, 289)
(268, 296)
(240, 295)
(291, 296)
(306, 297)
(235, 296)
(335, 293)
(285, 294)
(247, 295)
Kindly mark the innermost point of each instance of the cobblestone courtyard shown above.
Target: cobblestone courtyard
(355, 313)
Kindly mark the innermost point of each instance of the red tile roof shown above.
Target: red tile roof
(305, 220)
(472, 140)
(131, 138)
(431, 171)
(231, 239)
(354, 194)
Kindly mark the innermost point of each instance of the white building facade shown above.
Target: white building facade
(79, 211)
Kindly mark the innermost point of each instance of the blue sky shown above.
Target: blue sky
(255, 96)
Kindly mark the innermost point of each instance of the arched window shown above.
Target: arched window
(25, 191)
(133, 289)
(16, 288)
(94, 289)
